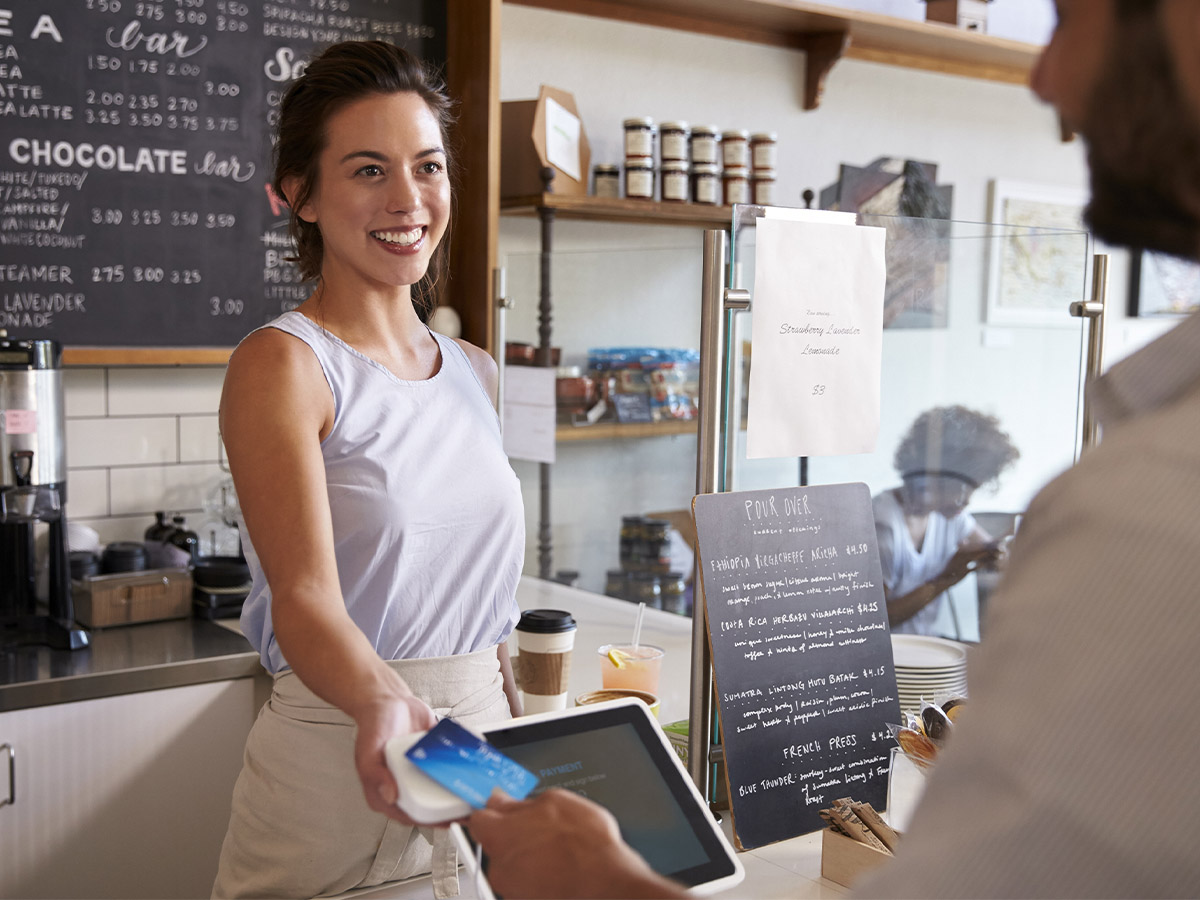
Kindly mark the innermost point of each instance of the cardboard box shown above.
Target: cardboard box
(523, 147)
(846, 860)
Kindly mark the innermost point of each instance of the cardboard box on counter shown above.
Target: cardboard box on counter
(538, 133)
(845, 860)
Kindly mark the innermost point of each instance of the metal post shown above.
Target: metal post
(500, 335)
(545, 307)
(1094, 311)
(708, 470)
(717, 304)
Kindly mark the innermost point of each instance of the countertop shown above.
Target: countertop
(124, 660)
(789, 868)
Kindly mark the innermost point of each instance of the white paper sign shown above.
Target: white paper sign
(562, 138)
(818, 339)
(529, 413)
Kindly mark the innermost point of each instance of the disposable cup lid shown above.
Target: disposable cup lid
(546, 621)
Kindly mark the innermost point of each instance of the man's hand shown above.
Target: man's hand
(377, 724)
(561, 845)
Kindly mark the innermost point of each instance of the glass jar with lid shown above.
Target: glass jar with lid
(675, 181)
(706, 184)
(735, 184)
(618, 584)
(656, 545)
(762, 186)
(763, 150)
(631, 542)
(673, 589)
(639, 177)
(735, 148)
(647, 589)
(673, 141)
(606, 180)
(639, 137)
(703, 143)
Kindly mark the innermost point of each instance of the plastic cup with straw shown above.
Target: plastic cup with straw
(634, 666)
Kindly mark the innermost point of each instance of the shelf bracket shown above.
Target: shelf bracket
(821, 51)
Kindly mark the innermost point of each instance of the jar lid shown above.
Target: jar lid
(639, 162)
(674, 165)
(735, 133)
(711, 130)
(705, 169)
(763, 175)
(736, 172)
(763, 136)
(673, 126)
(568, 372)
(639, 122)
(546, 621)
(606, 169)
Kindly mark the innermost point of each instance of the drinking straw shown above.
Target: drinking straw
(637, 624)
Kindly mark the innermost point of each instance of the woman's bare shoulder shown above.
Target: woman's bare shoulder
(483, 364)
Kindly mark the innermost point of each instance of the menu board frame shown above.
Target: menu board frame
(801, 653)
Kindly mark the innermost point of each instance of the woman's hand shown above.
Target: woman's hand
(377, 724)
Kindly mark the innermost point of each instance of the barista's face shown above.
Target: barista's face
(1115, 81)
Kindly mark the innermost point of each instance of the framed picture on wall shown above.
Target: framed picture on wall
(1162, 285)
(1038, 254)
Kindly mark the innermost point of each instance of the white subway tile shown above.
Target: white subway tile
(199, 439)
(83, 392)
(144, 489)
(87, 493)
(117, 528)
(149, 391)
(117, 442)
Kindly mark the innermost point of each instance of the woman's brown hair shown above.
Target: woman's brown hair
(339, 75)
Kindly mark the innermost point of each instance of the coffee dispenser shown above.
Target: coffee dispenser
(33, 495)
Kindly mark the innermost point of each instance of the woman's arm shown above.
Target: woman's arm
(275, 409)
(484, 366)
(963, 562)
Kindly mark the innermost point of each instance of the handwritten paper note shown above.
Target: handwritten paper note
(529, 413)
(562, 138)
(802, 655)
(818, 339)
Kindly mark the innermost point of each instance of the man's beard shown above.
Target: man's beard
(1143, 148)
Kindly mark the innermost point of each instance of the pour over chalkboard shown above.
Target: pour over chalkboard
(801, 652)
(134, 169)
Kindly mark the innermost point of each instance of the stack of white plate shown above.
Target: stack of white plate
(926, 667)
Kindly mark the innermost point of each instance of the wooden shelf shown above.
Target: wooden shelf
(826, 33)
(619, 209)
(146, 356)
(605, 431)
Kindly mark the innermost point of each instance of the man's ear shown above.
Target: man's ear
(291, 187)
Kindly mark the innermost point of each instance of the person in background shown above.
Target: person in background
(1073, 771)
(928, 542)
(382, 522)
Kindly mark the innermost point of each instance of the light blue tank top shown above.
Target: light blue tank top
(428, 525)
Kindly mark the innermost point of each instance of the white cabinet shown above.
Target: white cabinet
(124, 796)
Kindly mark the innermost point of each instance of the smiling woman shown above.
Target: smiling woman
(381, 520)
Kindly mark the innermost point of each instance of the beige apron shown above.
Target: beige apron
(300, 826)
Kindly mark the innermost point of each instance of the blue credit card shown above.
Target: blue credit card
(468, 766)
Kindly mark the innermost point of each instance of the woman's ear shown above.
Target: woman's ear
(291, 187)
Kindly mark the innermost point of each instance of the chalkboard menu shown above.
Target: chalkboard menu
(802, 654)
(135, 160)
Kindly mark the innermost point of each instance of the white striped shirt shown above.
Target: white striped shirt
(1076, 771)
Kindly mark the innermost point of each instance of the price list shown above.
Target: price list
(802, 655)
(135, 199)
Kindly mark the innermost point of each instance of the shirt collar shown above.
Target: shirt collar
(1153, 377)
